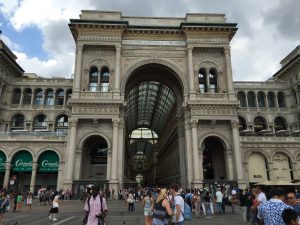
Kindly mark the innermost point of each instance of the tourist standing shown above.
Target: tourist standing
(179, 205)
(162, 211)
(148, 203)
(270, 212)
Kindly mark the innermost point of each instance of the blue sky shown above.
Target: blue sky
(38, 34)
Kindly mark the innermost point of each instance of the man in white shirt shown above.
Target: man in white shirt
(179, 205)
(260, 198)
(219, 198)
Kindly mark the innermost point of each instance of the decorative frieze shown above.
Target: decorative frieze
(201, 40)
(97, 37)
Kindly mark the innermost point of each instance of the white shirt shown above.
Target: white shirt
(219, 196)
(178, 200)
(261, 197)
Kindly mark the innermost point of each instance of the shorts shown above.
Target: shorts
(148, 212)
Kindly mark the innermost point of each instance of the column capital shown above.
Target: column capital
(118, 47)
(187, 125)
(34, 165)
(190, 48)
(79, 46)
(227, 50)
(234, 124)
(116, 122)
(73, 122)
(194, 123)
(8, 165)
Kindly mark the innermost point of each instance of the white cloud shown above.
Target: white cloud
(257, 48)
(9, 43)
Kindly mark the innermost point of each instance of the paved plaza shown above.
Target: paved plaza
(71, 213)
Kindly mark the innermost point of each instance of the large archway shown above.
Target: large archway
(154, 96)
(94, 158)
(214, 165)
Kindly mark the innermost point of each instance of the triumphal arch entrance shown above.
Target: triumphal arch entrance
(153, 101)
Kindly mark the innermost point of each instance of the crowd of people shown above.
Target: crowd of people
(278, 206)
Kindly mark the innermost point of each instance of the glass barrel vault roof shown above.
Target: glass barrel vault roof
(149, 104)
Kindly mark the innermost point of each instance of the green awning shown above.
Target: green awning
(22, 162)
(2, 161)
(48, 162)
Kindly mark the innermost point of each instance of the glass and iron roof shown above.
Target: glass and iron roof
(149, 105)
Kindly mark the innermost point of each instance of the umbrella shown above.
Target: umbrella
(266, 183)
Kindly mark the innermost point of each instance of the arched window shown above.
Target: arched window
(259, 124)
(27, 96)
(213, 80)
(271, 99)
(104, 79)
(49, 97)
(251, 99)
(62, 124)
(16, 96)
(242, 98)
(17, 122)
(281, 100)
(261, 99)
(202, 80)
(40, 122)
(38, 97)
(280, 124)
(295, 96)
(59, 97)
(242, 123)
(93, 79)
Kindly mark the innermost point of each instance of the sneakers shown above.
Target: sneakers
(50, 217)
(54, 219)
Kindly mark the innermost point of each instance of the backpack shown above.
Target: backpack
(187, 213)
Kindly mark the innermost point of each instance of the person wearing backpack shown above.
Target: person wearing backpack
(178, 218)
(95, 208)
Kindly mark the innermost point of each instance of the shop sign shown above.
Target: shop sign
(22, 162)
(48, 162)
(2, 162)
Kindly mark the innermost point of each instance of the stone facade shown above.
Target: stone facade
(212, 133)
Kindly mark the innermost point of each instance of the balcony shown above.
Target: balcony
(38, 135)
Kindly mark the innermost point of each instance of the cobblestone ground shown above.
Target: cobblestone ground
(71, 213)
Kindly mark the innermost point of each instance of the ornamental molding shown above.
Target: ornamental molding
(97, 37)
(201, 40)
(213, 110)
(89, 109)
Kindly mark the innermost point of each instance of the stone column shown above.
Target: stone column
(117, 70)
(230, 169)
(65, 97)
(266, 101)
(256, 99)
(71, 153)
(270, 170)
(196, 180)
(121, 155)
(237, 154)
(22, 97)
(59, 176)
(276, 100)
(188, 153)
(182, 155)
(7, 174)
(207, 83)
(33, 176)
(229, 72)
(294, 170)
(32, 97)
(114, 166)
(247, 100)
(78, 67)
(108, 166)
(191, 73)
